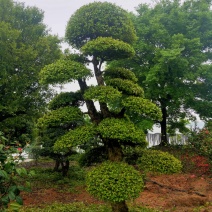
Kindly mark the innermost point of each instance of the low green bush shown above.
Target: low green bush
(160, 162)
(114, 182)
(201, 142)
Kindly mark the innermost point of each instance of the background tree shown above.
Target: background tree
(105, 37)
(26, 47)
(173, 43)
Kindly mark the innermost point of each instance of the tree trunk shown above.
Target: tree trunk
(119, 207)
(114, 151)
(94, 115)
(163, 124)
(65, 168)
(100, 81)
(56, 166)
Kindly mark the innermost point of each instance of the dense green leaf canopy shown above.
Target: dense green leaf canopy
(63, 71)
(143, 107)
(126, 86)
(120, 72)
(102, 94)
(122, 130)
(65, 99)
(114, 182)
(26, 47)
(99, 19)
(61, 116)
(73, 138)
(108, 49)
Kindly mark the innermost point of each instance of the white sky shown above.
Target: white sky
(58, 12)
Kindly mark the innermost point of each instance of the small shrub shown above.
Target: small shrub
(194, 163)
(158, 161)
(201, 142)
(114, 182)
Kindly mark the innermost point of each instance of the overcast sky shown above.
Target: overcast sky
(58, 12)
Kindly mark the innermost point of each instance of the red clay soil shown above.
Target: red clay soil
(178, 192)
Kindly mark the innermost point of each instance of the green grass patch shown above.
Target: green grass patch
(44, 178)
(81, 207)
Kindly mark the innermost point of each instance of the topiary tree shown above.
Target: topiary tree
(105, 37)
(121, 182)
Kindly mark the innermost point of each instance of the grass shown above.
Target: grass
(47, 178)
(81, 207)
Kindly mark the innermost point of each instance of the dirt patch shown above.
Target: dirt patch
(178, 192)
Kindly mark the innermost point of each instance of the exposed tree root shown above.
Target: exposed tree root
(176, 189)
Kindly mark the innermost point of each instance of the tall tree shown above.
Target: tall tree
(26, 47)
(105, 37)
(173, 43)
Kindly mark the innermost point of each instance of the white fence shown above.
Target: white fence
(155, 139)
(152, 139)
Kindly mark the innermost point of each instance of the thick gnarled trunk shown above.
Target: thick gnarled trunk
(100, 81)
(115, 152)
(64, 167)
(94, 115)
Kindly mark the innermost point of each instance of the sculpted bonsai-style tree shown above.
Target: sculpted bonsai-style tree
(103, 32)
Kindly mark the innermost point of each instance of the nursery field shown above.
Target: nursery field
(190, 191)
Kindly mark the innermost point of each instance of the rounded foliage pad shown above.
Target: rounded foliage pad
(108, 49)
(73, 138)
(61, 116)
(102, 93)
(63, 71)
(99, 19)
(114, 182)
(121, 130)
